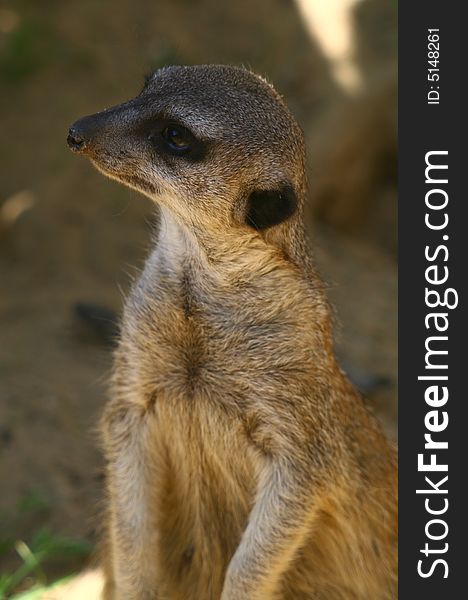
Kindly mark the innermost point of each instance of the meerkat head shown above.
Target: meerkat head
(215, 145)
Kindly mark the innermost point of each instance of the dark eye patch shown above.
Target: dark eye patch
(171, 138)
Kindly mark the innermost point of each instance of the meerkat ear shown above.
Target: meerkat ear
(266, 208)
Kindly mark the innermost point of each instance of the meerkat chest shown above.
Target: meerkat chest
(223, 344)
(187, 345)
(192, 333)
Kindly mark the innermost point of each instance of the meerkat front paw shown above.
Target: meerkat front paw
(239, 585)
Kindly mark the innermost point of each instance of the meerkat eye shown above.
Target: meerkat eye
(178, 139)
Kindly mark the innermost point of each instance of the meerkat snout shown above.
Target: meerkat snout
(214, 144)
(75, 140)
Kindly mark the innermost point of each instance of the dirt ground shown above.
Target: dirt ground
(80, 238)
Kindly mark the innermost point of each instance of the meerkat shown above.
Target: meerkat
(241, 463)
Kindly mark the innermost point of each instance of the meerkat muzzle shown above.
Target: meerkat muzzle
(87, 132)
(75, 141)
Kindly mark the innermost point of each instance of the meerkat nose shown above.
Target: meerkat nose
(75, 140)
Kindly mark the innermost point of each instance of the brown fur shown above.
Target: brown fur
(241, 463)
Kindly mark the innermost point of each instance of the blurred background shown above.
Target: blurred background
(71, 240)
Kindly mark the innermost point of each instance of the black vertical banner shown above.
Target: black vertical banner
(433, 324)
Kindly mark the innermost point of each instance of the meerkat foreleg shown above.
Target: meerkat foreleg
(132, 534)
(278, 524)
